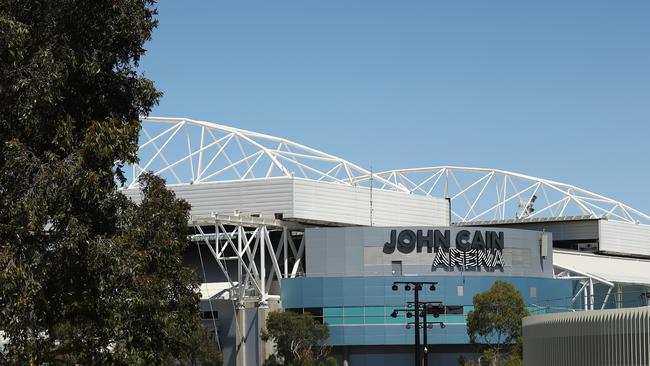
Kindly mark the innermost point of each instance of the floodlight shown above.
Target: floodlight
(442, 325)
(395, 288)
(393, 314)
(432, 288)
(409, 314)
(436, 310)
(407, 287)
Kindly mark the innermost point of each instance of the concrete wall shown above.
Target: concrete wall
(601, 337)
(239, 331)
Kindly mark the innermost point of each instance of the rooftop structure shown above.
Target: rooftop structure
(264, 210)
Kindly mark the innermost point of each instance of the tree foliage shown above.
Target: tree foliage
(88, 277)
(201, 351)
(496, 322)
(299, 340)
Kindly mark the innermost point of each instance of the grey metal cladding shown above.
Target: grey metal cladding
(344, 204)
(358, 251)
(564, 230)
(624, 238)
(301, 199)
(600, 337)
(264, 196)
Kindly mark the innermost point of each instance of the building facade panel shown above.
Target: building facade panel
(310, 201)
(358, 309)
(624, 238)
(602, 337)
(350, 271)
(263, 197)
(567, 230)
(360, 251)
(337, 203)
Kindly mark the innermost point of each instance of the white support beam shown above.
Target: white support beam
(250, 239)
(587, 290)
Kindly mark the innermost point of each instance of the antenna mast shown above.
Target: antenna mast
(371, 181)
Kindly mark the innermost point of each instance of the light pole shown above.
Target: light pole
(434, 308)
(425, 326)
(417, 287)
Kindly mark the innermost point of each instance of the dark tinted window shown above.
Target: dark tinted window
(396, 268)
(454, 309)
(314, 311)
(210, 315)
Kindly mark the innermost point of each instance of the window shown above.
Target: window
(533, 292)
(445, 309)
(209, 315)
(454, 309)
(460, 291)
(314, 311)
(396, 267)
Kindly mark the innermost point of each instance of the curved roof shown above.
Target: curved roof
(186, 151)
(482, 194)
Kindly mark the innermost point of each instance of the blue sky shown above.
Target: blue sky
(556, 89)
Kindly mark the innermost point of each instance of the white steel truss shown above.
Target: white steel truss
(251, 252)
(186, 151)
(479, 194)
(586, 282)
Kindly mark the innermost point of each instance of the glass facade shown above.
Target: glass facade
(358, 309)
(381, 315)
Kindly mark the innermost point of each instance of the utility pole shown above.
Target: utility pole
(371, 208)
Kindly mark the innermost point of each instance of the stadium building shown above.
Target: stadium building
(278, 225)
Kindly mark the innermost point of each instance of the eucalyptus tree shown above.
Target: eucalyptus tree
(86, 276)
(495, 322)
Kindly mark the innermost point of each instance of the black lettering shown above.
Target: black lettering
(477, 240)
(389, 246)
(496, 240)
(462, 240)
(441, 240)
(406, 241)
(428, 239)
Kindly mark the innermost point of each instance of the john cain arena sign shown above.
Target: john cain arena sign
(471, 249)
